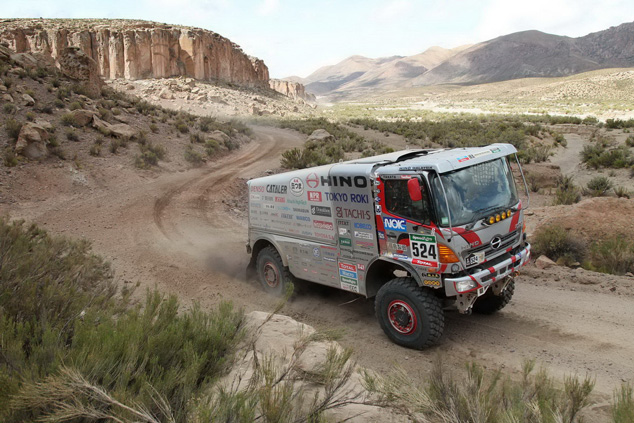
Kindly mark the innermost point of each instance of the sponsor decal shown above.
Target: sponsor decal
(463, 159)
(296, 201)
(312, 180)
(320, 211)
(377, 209)
(394, 224)
(320, 224)
(269, 206)
(377, 199)
(344, 181)
(431, 283)
(314, 196)
(400, 256)
(424, 247)
(286, 216)
(343, 222)
(316, 252)
(347, 274)
(303, 218)
(256, 205)
(300, 210)
(425, 263)
(364, 235)
(366, 226)
(349, 267)
(364, 244)
(280, 200)
(361, 266)
(353, 213)
(406, 176)
(257, 188)
(268, 198)
(381, 235)
(256, 197)
(276, 189)
(297, 186)
(495, 150)
(345, 242)
(343, 231)
(481, 153)
(329, 237)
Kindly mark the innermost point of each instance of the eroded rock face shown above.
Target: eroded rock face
(138, 49)
(32, 141)
(75, 64)
(291, 89)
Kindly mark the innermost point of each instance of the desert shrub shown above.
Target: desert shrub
(621, 192)
(72, 341)
(599, 186)
(46, 108)
(619, 123)
(196, 138)
(557, 244)
(62, 93)
(613, 255)
(68, 119)
(58, 103)
(105, 114)
(9, 108)
(72, 135)
(231, 144)
(9, 158)
(114, 146)
(56, 82)
(598, 156)
(150, 155)
(154, 128)
(483, 396)
(30, 116)
(41, 72)
(211, 146)
(13, 128)
(182, 127)
(630, 141)
(623, 405)
(52, 141)
(559, 139)
(75, 105)
(205, 123)
(95, 150)
(296, 158)
(58, 152)
(8, 82)
(533, 182)
(193, 156)
(567, 192)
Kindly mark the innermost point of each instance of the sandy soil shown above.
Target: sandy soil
(181, 232)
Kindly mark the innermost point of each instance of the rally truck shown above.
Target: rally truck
(419, 230)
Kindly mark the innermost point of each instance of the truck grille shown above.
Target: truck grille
(508, 240)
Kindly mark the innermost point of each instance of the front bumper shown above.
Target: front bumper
(484, 278)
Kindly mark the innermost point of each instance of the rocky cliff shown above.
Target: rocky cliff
(138, 49)
(291, 89)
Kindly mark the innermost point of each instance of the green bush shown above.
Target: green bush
(68, 119)
(196, 138)
(71, 341)
(193, 156)
(13, 128)
(150, 155)
(211, 146)
(557, 244)
(9, 158)
(613, 255)
(9, 108)
(621, 192)
(599, 186)
(567, 192)
(75, 105)
(630, 141)
(95, 150)
(71, 135)
(623, 405)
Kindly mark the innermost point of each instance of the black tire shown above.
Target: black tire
(409, 315)
(490, 303)
(272, 274)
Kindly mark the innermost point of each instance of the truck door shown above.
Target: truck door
(404, 227)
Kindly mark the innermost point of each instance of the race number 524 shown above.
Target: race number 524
(424, 247)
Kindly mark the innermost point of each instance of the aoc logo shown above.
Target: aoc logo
(393, 224)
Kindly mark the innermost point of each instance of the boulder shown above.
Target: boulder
(28, 100)
(3, 89)
(82, 117)
(321, 135)
(544, 262)
(7, 98)
(75, 64)
(219, 136)
(44, 124)
(123, 130)
(32, 141)
(166, 94)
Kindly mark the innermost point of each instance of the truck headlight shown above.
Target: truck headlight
(464, 286)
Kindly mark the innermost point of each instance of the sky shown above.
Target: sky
(296, 37)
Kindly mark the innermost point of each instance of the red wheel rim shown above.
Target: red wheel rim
(402, 317)
(271, 275)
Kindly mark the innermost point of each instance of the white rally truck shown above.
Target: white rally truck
(416, 229)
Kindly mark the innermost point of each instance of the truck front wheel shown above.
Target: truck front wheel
(489, 303)
(409, 315)
(272, 274)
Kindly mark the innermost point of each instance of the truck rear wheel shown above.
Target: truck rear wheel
(409, 315)
(489, 303)
(272, 274)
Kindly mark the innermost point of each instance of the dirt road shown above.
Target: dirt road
(175, 232)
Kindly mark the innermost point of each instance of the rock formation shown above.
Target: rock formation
(291, 89)
(138, 49)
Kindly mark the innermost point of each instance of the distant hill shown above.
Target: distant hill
(518, 55)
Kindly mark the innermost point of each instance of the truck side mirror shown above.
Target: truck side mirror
(413, 186)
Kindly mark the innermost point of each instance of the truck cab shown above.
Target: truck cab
(415, 229)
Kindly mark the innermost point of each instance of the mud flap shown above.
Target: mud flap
(499, 286)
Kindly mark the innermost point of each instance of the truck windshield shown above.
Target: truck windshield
(474, 192)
